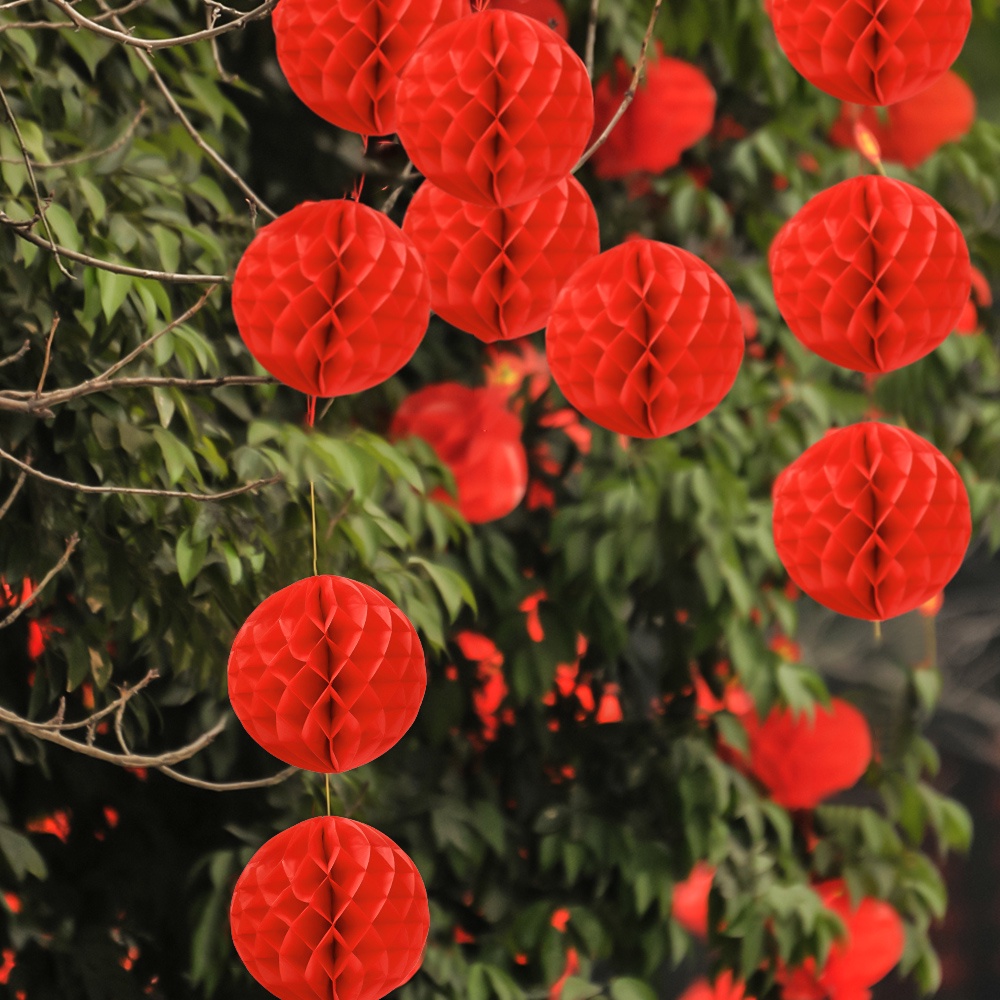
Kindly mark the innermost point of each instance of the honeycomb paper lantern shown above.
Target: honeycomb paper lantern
(331, 298)
(495, 272)
(549, 12)
(342, 58)
(871, 274)
(477, 437)
(725, 987)
(330, 908)
(871, 521)
(870, 52)
(645, 339)
(495, 109)
(327, 674)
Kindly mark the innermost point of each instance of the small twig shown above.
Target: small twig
(212, 12)
(17, 355)
(229, 786)
(12, 496)
(53, 326)
(390, 202)
(126, 694)
(13, 616)
(591, 38)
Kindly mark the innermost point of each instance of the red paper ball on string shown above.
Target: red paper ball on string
(672, 110)
(645, 339)
(725, 987)
(343, 57)
(871, 521)
(689, 904)
(871, 274)
(495, 272)
(871, 53)
(327, 674)
(331, 298)
(495, 109)
(330, 908)
(477, 437)
(549, 12)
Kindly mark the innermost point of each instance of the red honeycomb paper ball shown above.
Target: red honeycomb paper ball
(477, 437)
(327, 674)
(330, 908)
(871, 274)
(495, 272)
(868, 52)
(871, 521)
(331, 298)
(549, 12)
(645, 339)
(342, 58)
(495, 109)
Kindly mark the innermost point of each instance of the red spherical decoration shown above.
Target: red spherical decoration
(495, 109)
(689, 904)
(871, 521)
(327, 674)
(495, 272)
(477, 437)
(343, 57)
(549, 12)
(871, 274)
(871, 53)
(725, 987)
(331, 298)
(330, 908)
(672, 110)
(645, 339)
(981, 298)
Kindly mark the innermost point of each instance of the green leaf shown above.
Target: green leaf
(114, 290)
(453, 588)
(190, 556)
(625, 988)
(21, 854)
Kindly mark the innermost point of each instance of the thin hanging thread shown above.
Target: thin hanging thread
(312, 512)
(878, 633)
(328, 793)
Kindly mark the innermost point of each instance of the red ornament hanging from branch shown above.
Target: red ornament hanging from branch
(549, 12)
(645, 339)
(327, 674)
(871, 521)
(871, 274)
(331, 298)
(330, 908)
(495, 272)
(495, 109)
(725, 987)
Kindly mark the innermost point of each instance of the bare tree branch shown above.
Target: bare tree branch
(53, 326)
(17, 355)
(12, 496)
(229, 786)
(390, 202)
(591, 38)
(13, 616)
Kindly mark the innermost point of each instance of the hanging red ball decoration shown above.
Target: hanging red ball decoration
(495, 272)
(871, 53)
(331, 298)
(725, 987)
(495, 109)
(871, 274)
(327, 674)
(330, 908)
(549, 12)
(342, 58)
(477, 437)
(981, 298)
(645, 339)
(871, 521)
(689, 903)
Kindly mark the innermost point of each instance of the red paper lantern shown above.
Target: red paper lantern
(981, 298)
(495, 272)
(330, 908)
(327, 674)
(689, 905)
(549, 12)
(331, 298)
(645, 339)
(871, 521)
(495, 109)
(871, 274)
(725, 987)
(871, 53)
(343, 57)
(477, 437)
(671, 111)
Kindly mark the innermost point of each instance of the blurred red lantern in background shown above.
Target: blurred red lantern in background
(495, 108)
(327, 674)
(343, 58)
(331, 298)
(871, 521)
(689, 904)
(871, 53)
(871, 274)
(672, 110)
(495, 272)
(725, 987)
(477, 437)
(330, 908)
(549, 12)
(981, 298)
(645, 339)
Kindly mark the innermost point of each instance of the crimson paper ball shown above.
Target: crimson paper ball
(871, 51)
(645, 339)
(477, 437)
(342, 58)
(495, 272)
(871, 274)
(331, 298)
(871, 521)
(330, 908)
(495, 109)
(549, 12)
(327, 674)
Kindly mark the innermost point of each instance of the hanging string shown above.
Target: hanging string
(878, 633)
(312, 518)
(328, 794)
(310, 411)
